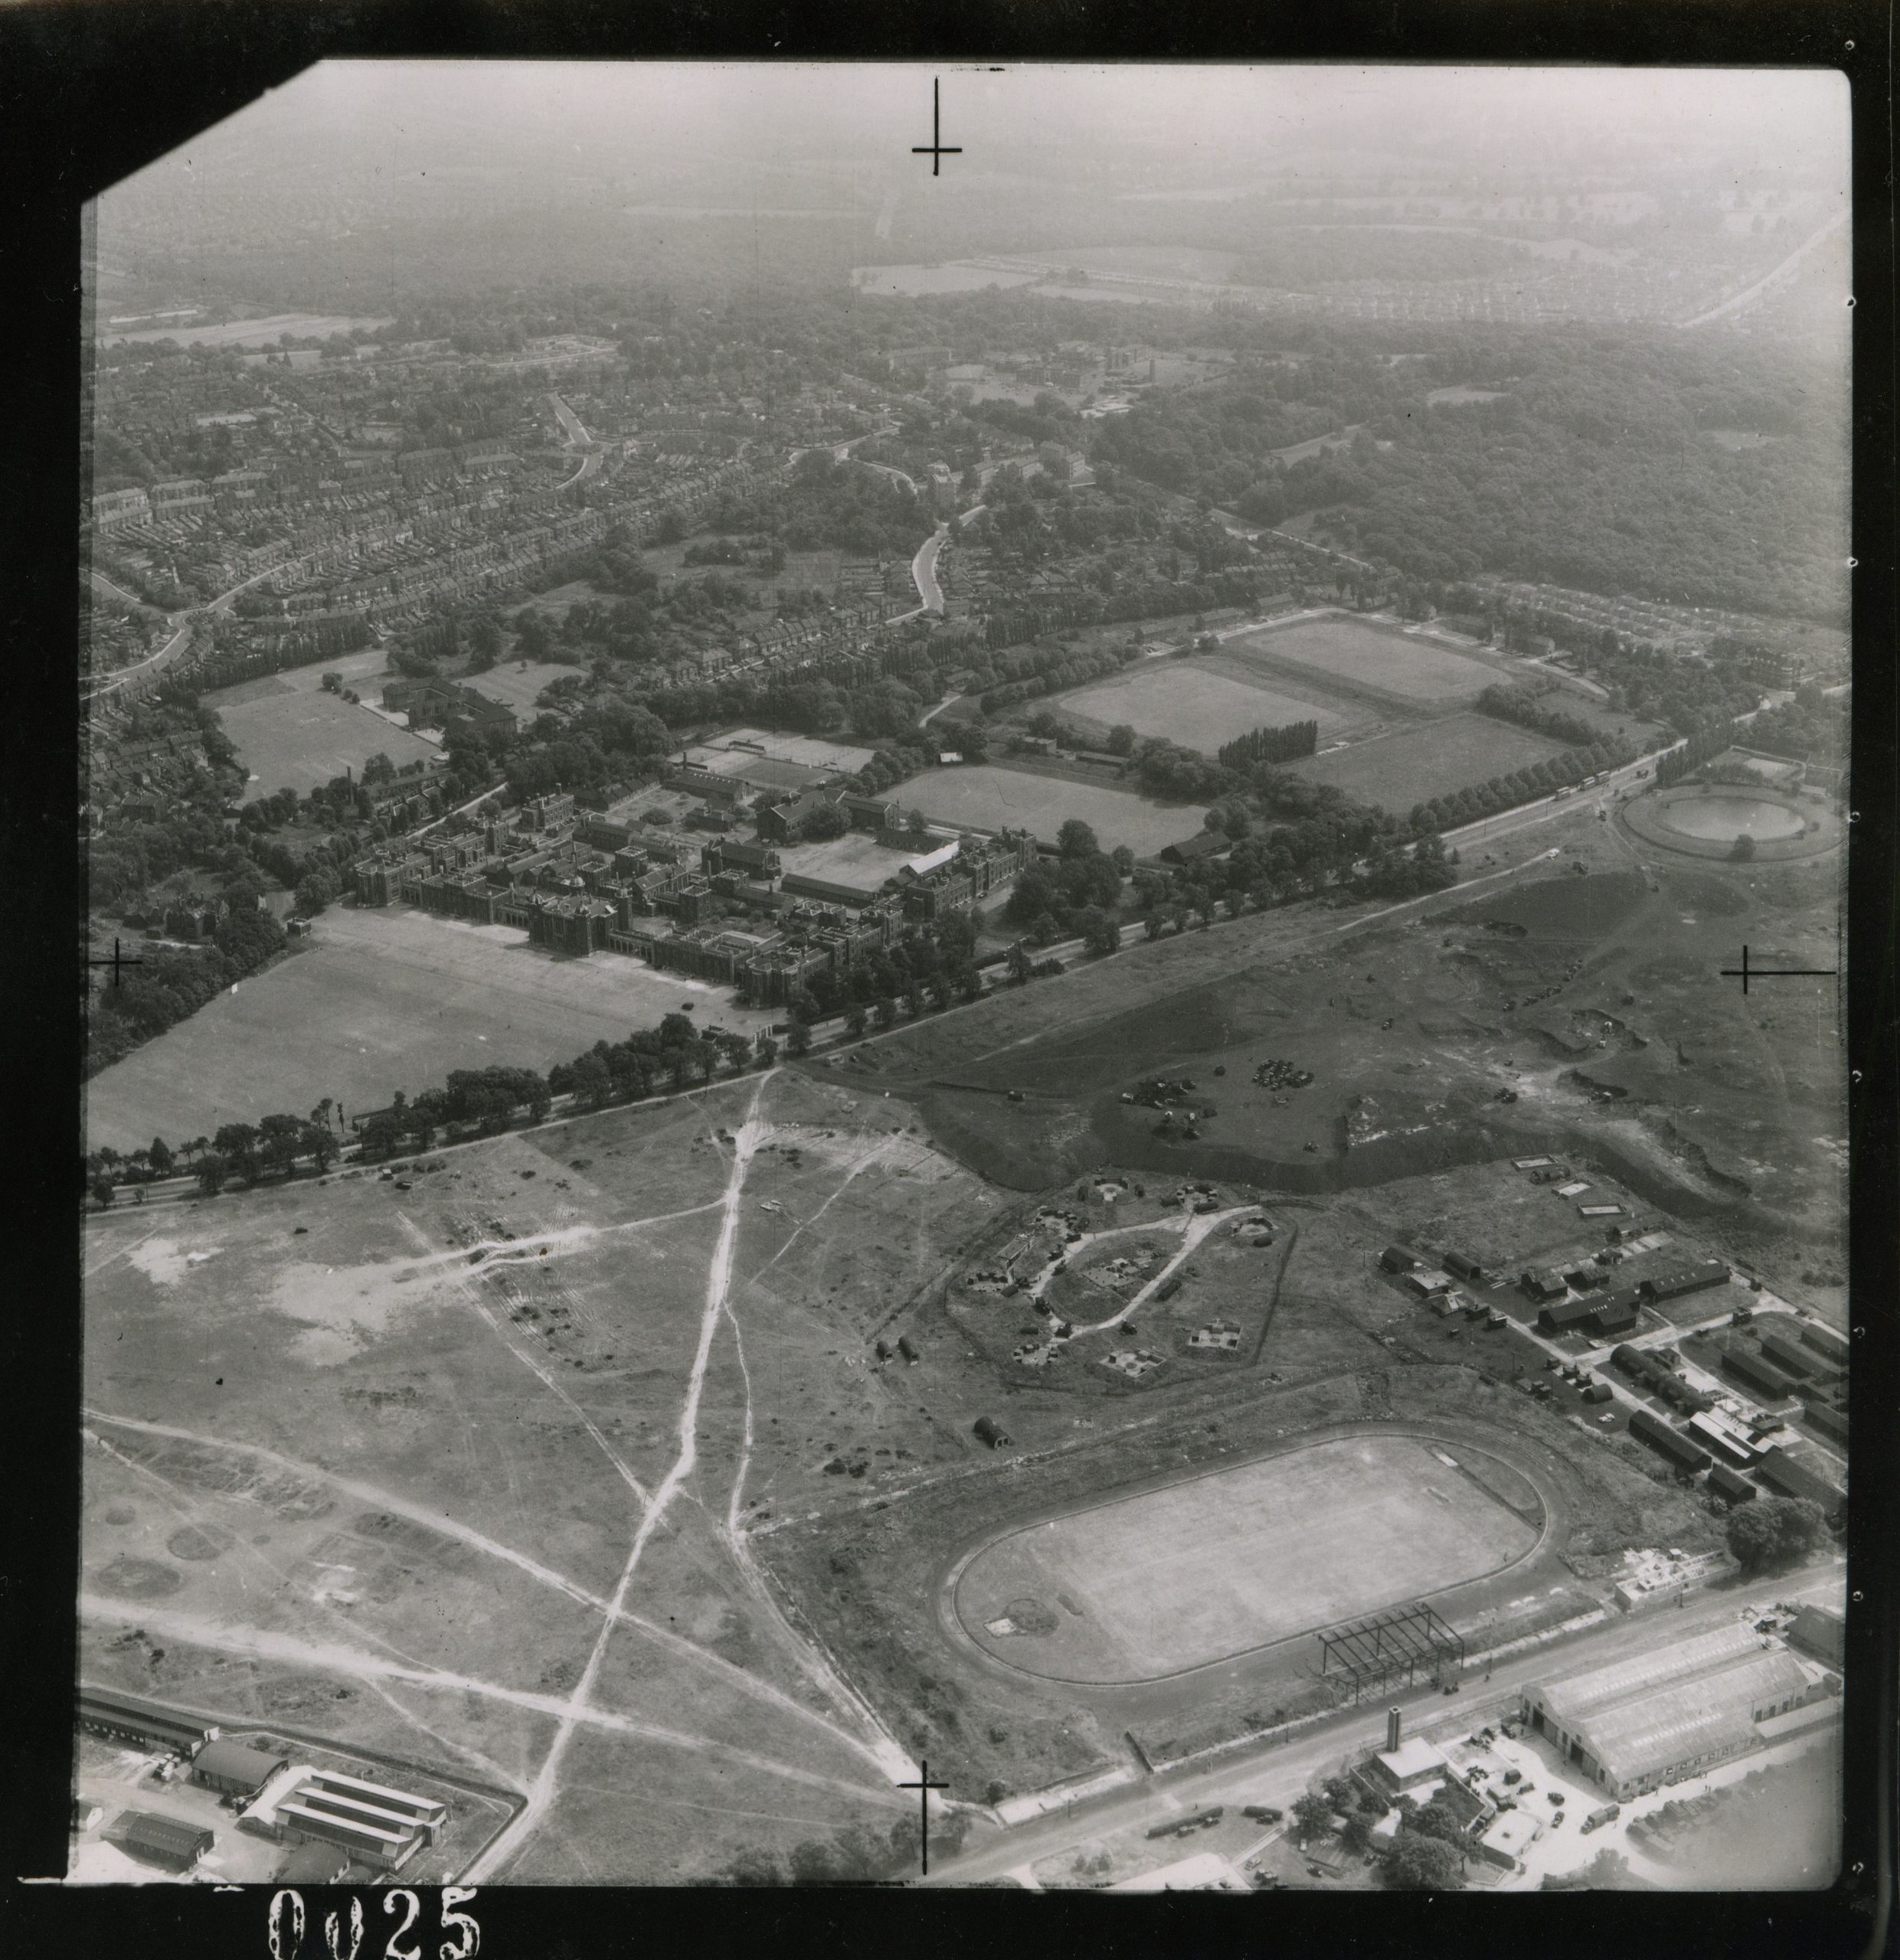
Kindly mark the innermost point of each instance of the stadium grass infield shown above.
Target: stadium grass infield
(1201, 1568)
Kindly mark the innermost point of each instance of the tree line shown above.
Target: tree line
(1535, 712)
(1520, 785)
(1284, 743)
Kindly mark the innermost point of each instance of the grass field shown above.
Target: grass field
(383, 999)
(1399, 769)
(515, 684)
(301, 738)
(991, 797)
(1192, 704)
(1196, 1571)
(251, 333)
(1351, 651)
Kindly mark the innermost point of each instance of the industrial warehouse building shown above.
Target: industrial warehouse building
(234, 1769)
(1680, 1450)
(1616, 1313)
(1671, 1282)
(1787, 1478)
(1793, 1359)
(376, 1825)
(125, 1718)
(1824, 1634)
(1659, 1717)
(1766, 1380)
(161, 1841)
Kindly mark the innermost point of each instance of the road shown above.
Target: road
(154, 663)
(885, 469)
(584, 445)
(120, 592)
(1277, 1774)
(1487, 829)
(924, 570)
(1749, 294)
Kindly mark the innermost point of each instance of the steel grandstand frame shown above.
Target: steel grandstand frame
(1373, 1652)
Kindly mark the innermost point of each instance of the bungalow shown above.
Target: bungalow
(1548, 1285)
(1396, 1258)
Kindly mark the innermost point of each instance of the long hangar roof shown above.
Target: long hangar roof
(1689, 1718)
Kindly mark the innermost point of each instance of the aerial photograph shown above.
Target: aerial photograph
(965, 994)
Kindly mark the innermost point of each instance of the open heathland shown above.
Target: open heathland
(565, 1369)
(1446, 1035)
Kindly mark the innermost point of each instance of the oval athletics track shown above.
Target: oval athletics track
(1178, 1572)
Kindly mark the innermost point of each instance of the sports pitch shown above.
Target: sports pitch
(992, 798)
(1189, 704)
(1197, 1571)
(1438, 759)
(301, 738)
(384, 998)
(1350, 652)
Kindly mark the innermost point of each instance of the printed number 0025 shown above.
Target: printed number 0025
(287, 1922)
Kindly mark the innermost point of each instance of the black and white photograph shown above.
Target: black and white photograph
(965, 996)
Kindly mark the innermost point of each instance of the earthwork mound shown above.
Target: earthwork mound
(194, 1542)
(139, 1578)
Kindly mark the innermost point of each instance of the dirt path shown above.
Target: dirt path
(534, 1368)
(747, 1139)
(883, 1749)
(1193, 1232)
(332, 1657)
(370, 1493)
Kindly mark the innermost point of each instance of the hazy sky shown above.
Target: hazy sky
(1202, 121)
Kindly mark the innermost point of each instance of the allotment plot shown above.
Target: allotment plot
(1196, 1571)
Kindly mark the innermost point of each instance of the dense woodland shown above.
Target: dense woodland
(1594, 467)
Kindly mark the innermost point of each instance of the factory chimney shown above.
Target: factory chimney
(1392, 1721)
